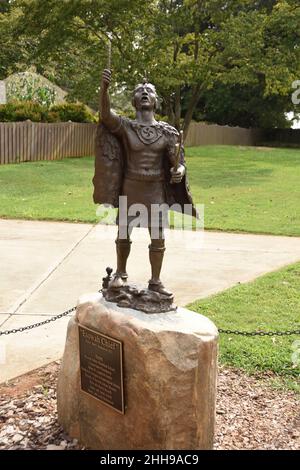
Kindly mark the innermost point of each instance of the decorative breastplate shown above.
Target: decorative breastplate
(147, 134)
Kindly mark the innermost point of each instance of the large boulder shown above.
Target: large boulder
(170, 369)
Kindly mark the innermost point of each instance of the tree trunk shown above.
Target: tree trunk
(170, 110)
(177, 108)
(197, 90)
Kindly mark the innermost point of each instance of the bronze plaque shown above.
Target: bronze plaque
(101, 367)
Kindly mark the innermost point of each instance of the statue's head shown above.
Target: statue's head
(144, 96)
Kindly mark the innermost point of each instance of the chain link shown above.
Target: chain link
(35, 325)
(221, 330)
(260, 333)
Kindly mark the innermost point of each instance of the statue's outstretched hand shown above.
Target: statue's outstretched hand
(106, 78)
(177, 174)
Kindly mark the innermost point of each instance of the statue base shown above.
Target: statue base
(144, 300)
(168, 378)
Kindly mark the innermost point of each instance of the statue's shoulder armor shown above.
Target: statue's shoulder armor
(126, 122)
(168, 129)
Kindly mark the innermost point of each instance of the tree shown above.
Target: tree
(168, 42)
(260, 61)
(243, 106)
(16, 49)
(73, 39)
(186, 47)
(5, 6)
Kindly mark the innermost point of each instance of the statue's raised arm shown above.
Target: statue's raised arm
(108, 117)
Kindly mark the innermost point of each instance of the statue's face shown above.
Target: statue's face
(144, 97)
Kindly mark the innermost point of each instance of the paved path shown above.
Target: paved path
(46, 266)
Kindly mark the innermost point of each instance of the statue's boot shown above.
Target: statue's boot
(156, 255)
(120, 276)
(159, 287)
(117, 281)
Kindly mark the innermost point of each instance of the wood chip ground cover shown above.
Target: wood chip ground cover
(250, 414)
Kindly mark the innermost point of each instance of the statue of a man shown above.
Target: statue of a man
(138, 159)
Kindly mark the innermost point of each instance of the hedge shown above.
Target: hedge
(35, 112)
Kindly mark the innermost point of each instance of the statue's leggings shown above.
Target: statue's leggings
(156, 252)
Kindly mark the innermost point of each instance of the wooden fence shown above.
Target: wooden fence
(30, 141)
(212, 134)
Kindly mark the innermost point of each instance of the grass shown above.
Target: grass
(243, 188)
(247, 189)
(50, 190)
(270, 303)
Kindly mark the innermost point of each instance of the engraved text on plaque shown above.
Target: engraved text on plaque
(101, 367)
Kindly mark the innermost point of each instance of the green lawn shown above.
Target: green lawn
(55, 190)
(270, 303)
(247, 188)
(243, 188)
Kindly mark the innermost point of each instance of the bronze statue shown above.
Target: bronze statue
(142, 159)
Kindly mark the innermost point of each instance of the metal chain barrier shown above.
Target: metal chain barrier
(35, 325)
(260, 333)
(221, 330)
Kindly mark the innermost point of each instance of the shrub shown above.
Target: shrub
(5, 112)
(21, 111)
(52, 116)
(72, 112)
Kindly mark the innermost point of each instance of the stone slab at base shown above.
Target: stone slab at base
(169, 380)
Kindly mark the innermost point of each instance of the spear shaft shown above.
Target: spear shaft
(109, 53)
(178, 147)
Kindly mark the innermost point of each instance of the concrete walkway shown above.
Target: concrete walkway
(46, 266)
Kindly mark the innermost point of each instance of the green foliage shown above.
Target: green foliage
(16, 53)
(23, 110)
(5, 6)
(243, 106)
(237, 59)
(71, 112)
(270, 303)
(29, 87)
(186, 47)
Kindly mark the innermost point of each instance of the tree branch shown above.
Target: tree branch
(196, 94)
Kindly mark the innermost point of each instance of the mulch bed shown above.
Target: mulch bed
(250, 414)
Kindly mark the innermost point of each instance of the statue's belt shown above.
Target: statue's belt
(150, 175)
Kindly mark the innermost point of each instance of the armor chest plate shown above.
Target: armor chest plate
(144, 157)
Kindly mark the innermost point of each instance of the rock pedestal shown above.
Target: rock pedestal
(170, 368)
